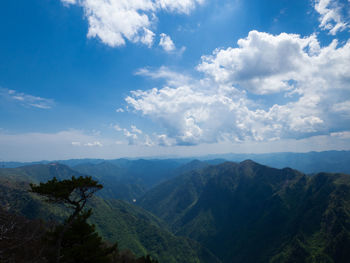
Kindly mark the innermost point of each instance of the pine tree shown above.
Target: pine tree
(81, 243)
(75, 240)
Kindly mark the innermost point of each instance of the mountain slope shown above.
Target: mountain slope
(310, 162)
(145, 173)
(248, 212)
(131, 226)
(114, 177)
(130, 179)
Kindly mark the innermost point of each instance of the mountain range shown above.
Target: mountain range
(308, 162)
(247, 212)
(183, 210)
(116, 220)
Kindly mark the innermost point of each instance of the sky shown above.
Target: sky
(166, 78)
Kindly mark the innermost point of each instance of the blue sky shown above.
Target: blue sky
(118, 78)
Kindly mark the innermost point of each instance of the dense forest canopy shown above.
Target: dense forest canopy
(203, 212)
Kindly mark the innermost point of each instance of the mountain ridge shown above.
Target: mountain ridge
(239, 205)
(132, 227)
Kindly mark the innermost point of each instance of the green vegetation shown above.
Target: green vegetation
(74, 240)
(232, 212)
(252, 213)
(117, 221)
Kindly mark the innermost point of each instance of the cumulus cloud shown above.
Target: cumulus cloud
(119, 110)
(313, 81)
(262, 63)
(115, 21)
(148, 141)
(166, 43)
(131, 137)
(178, 6)
(26, 99)
(117, 128)
(135, 130)
(332, 15)
(137, 137)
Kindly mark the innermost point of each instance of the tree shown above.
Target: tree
(82, 244)
(74, 194)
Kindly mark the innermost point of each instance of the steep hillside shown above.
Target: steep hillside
(248, 212)
(131, 226)
(39, 172)
(145, 173)
(114, 177)
(130, 179)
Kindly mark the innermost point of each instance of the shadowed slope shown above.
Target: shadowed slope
(248, 212)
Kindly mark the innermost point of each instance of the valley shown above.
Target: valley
(183, 210)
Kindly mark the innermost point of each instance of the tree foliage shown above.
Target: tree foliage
(81, 243)
(73, 193)
(75, 240)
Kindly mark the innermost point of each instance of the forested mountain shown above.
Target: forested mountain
(122, 179)
(132, 227)
(310, 162)
(204, 211)
(145, 173)
(130, 179)
(114, 178)
(246, 212)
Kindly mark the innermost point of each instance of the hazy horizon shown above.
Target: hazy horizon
(174, 157)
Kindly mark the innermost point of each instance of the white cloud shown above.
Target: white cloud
(119, 110)
(69, 2)
(342, 108)
(163, 140)
(58, 146)
(131, 137)
(178, 6)
(331, 17)
(117, 128)
(135, 130)
(26, 99)
(148, 141)
(313, 81)
(93, 144)
(166, 43)
(115, 21)
(172, 78)
(342, 135)
(76, 143)
(262, 63)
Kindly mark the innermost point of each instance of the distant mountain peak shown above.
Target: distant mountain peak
(249, 162)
